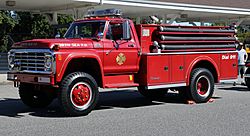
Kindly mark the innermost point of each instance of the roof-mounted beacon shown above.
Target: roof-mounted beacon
(104, 13)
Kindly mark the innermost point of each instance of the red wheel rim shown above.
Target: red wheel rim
(203, 86)
(81, 95)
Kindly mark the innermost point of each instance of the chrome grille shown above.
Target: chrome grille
(31, 60)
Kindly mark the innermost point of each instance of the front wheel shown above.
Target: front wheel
(79, 94)
(201, 86)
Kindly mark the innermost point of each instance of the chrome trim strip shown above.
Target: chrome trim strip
(35, 72)
(30, 72)
(30, 50)
(228, 80)
(166, 86)
(177, 53)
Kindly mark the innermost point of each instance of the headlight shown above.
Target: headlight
(11, 60)
(48, 62)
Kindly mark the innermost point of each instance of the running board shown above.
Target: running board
(166, 86)
(228, 80)
(119, 81)
(121, 85)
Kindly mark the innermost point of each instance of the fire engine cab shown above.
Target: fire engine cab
(104, 50)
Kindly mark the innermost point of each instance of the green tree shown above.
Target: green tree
(243, 36)
(25, 26)
(22, 30)
(7, 24)
(41, 27)
(31, 26)
(63, 22)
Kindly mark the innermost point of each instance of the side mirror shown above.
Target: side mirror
(57, 35)
(126, 30)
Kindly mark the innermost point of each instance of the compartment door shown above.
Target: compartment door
(158, 70)
(177, 68)
(228, 66)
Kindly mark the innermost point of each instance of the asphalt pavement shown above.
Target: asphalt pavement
(127, 113)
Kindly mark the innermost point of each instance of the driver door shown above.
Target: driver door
(120, 56)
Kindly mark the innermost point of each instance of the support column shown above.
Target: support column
(101, 2)
(76, 14)
(52, 18)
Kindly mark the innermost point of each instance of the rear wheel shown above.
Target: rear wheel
(154, 93)
(36, 96)
(201, 86)
(79, 94)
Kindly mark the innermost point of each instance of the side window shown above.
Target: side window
(115, 31)
(81, 31)
(99, 30)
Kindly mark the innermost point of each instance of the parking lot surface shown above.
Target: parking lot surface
(126, 112)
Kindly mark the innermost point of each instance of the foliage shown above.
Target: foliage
(243, 36)
(64, 21)
(22, 30)
(7, 24)
(40, 27)
(218, 24)
(31, 26)
(25, 26)
(4, 44)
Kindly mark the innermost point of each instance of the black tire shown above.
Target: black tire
(247, 79)
(201, 86)
(154, 93)
(183, 92)
(35, 96)
(87, 95)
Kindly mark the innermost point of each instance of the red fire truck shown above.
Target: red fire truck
(107, 51)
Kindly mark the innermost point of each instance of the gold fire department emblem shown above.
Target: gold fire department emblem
(120, 59)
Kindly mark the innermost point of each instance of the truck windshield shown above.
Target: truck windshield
(86, 30)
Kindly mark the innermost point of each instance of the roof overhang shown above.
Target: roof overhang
(133, 8)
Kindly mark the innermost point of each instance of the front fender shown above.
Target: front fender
(62, 61)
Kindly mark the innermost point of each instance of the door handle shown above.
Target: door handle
(131, 45)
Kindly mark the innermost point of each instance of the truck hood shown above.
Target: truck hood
(49, 43)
